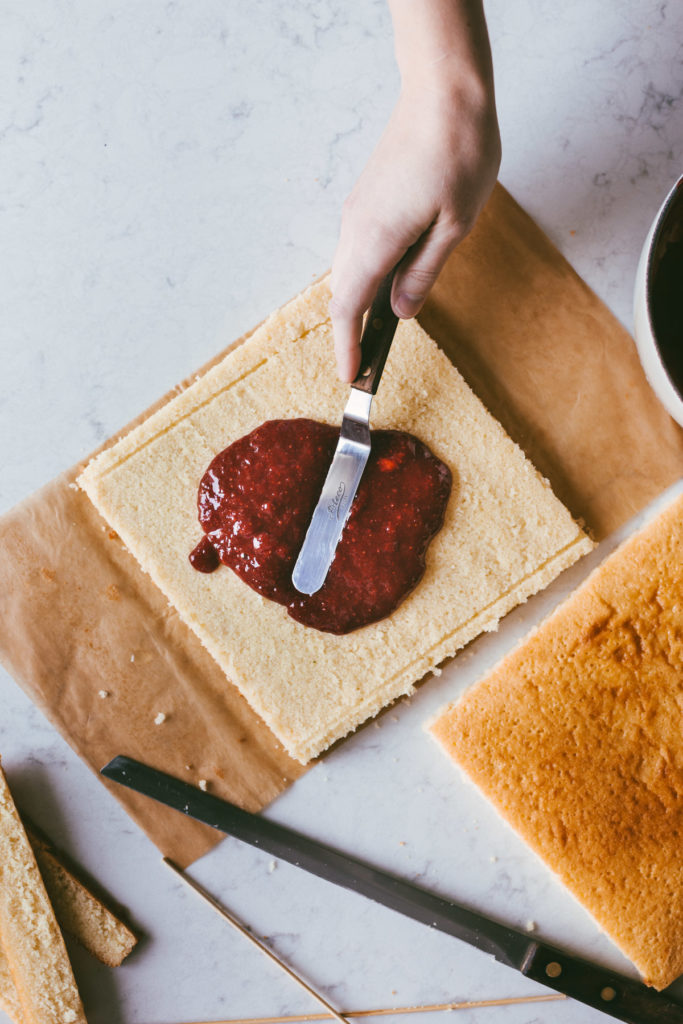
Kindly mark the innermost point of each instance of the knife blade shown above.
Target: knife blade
(353, 448)
(616, 995)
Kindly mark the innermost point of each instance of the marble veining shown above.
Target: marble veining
(169, 173)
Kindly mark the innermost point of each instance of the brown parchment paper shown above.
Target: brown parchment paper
(95, 644)
(555, 367)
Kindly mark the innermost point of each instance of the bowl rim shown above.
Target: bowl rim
(647, 346)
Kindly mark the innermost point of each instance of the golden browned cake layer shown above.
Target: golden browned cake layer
(29, 934)
(505, 534)
(576, 738)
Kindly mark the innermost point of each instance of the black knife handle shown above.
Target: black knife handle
(378, 334)
(614, 994)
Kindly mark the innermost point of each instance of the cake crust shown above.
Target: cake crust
(38, 963)
(504, 537)
(78, 910)
(576, 739)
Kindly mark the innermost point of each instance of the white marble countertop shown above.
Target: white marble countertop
(169, 173)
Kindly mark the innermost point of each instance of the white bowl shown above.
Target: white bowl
(667, 223)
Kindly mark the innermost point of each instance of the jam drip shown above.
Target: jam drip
(257, 497)
(204, 558)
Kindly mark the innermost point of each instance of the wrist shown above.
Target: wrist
(442, 47)
(450, 83)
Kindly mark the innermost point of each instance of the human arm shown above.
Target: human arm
(430, 174)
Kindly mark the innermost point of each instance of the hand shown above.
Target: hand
(431, 173)
(419, 195)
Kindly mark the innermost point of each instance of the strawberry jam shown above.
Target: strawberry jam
(257, 497)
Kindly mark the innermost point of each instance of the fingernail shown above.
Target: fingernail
(408, 305)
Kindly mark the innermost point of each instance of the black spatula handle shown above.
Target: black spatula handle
(378, 334)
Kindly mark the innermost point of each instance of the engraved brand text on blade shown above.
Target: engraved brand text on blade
(333, 507)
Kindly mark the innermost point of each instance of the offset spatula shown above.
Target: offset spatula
(353, 448)
(605, 990)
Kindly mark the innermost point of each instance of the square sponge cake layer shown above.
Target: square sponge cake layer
(576, 739)
(505, 534)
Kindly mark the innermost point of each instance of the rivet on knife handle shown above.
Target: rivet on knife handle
(616, 995)
(378, 334)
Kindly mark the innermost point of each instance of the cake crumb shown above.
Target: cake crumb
(103, 694)
(160, 718)
(188, 767)
(132, 657)
(493, 859)
(436, 671)
(203, 784)
(272, 866)
(530, 926)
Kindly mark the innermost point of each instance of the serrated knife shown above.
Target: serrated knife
(353, 448)
(614, 994)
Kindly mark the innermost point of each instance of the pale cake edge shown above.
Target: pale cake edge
(294, 320)
(9, 998)
(30, 936)
(404, 683)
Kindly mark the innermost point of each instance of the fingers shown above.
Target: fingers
(355, 279)
(366, 253)
(347, 332)
(353, 289)
(421, 266)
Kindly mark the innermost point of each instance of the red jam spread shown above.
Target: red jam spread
(257, 497)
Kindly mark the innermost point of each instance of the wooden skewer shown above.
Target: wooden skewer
(259, 945)
(342, 1018)
(388, 1011)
